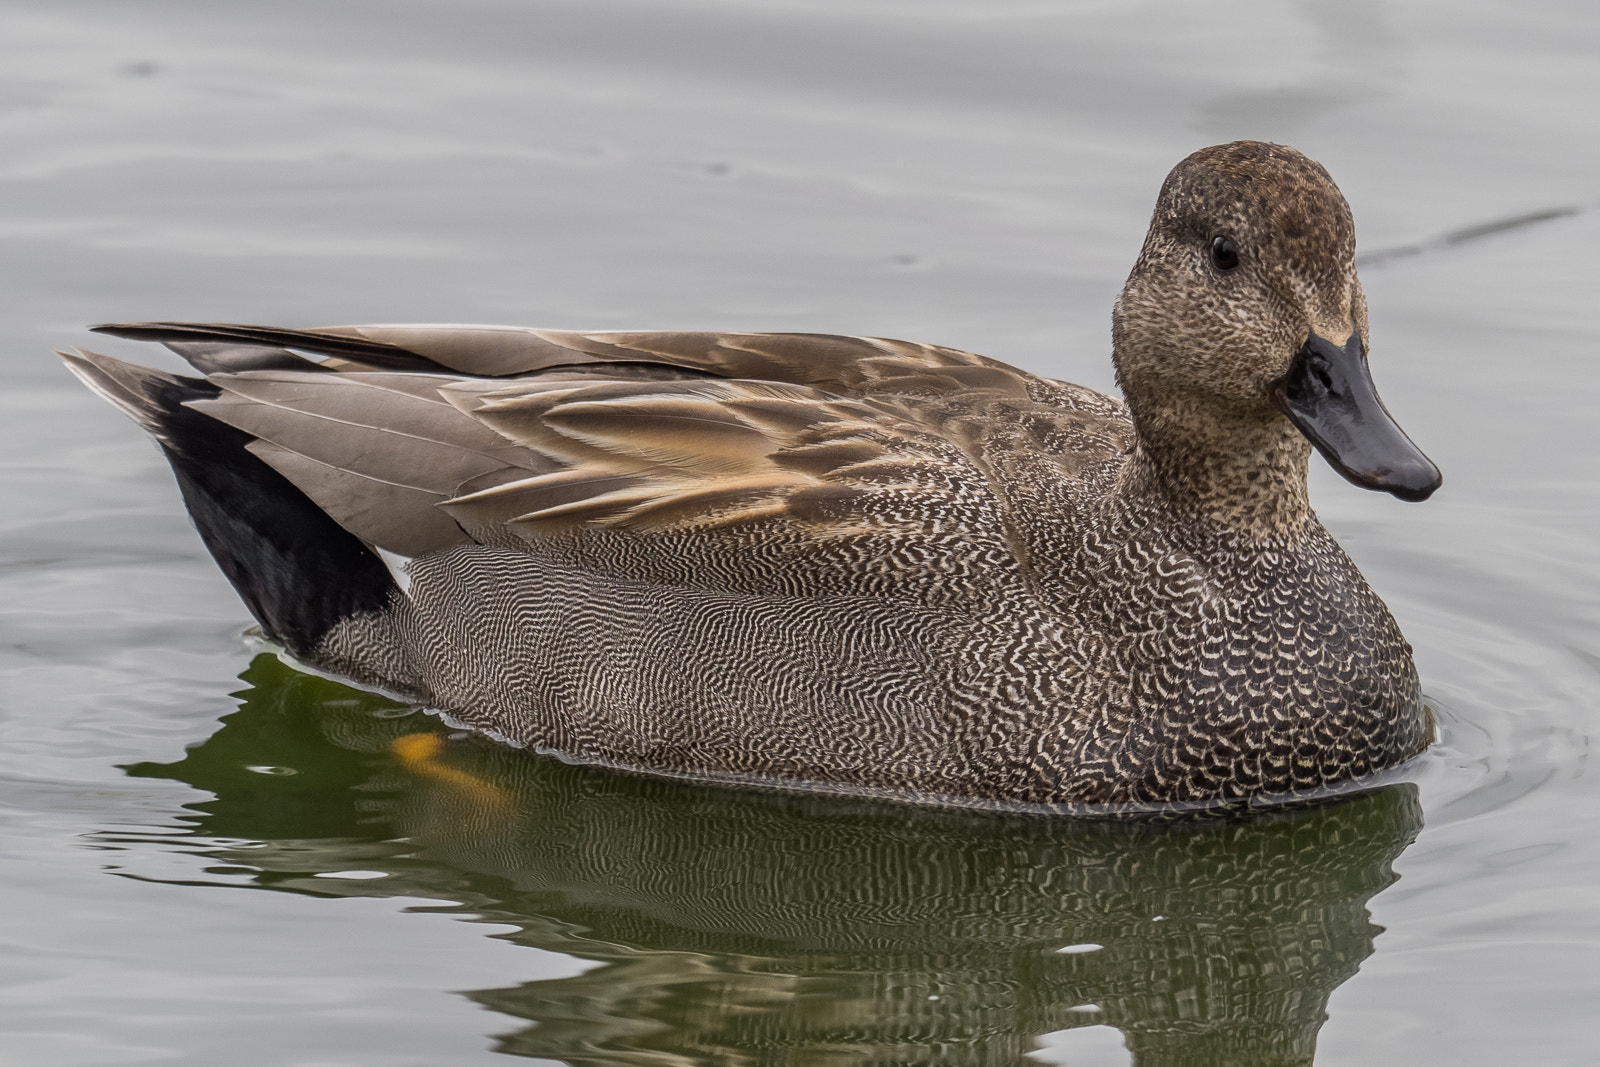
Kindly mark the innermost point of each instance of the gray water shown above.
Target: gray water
(211, 858)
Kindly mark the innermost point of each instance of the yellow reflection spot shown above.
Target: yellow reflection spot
(419, 754)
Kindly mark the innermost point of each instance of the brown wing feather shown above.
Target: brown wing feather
(710, 458)
(370, 353)
(400, 518)
(362, 425)
(377, 451)
(836, 362)
(827, 450)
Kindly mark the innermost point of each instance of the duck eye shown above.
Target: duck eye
(1224, 253)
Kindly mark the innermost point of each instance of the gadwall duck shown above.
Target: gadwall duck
(843, 563)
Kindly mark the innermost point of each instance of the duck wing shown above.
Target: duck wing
(800, 463)
(835, 362)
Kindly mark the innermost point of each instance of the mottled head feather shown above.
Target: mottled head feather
(1283, 209)
(1198, 348)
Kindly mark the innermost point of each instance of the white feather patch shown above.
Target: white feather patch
(399, 566)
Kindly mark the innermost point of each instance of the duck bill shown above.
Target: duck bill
(1328, 394)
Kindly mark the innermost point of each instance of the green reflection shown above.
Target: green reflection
(736, 928)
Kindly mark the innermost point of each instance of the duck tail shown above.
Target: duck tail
(298, 571)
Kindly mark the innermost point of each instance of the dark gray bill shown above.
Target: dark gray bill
(1328, 394)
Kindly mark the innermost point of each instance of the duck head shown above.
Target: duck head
(1241, 341)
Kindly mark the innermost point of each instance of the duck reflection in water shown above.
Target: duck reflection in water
(736, 928)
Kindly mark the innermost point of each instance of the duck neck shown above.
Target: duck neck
(1239, 470)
